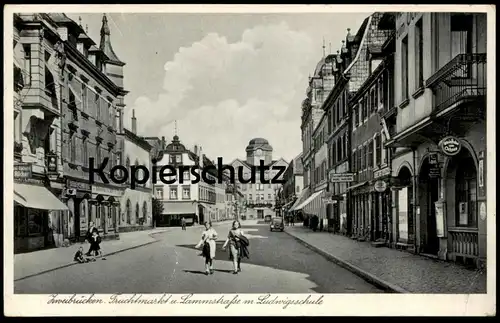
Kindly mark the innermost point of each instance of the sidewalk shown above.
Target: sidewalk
(38, 262)
(391, 269)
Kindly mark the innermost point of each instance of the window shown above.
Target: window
(355, 119)
(109, 122)
(366, 106)
(345, 102)
(98, 106)
(72, 149)
(84, 96)
(370, 154)
(382, 149)
(339, 151)
(269, 196)
(338, 111)
(262, 197)
(404, 68)
(129, 211)
(173, 193)
(466, 193)
(354, 161)
(85, 152)
(378, 151)
(461, 38)
(186, 192)
(185, 175)
(27, 63)
(250, 197)
(420, 54)
(172, 159)
(380, 91)
(375, 98)
(361, 111)
(297, 189)
(178, 158)
(363, 158)
(117, 120)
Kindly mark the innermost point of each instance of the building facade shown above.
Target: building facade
(320, 85)
(293, 186)
(135, 203)
(259, 195)
(40, 217)
(440, 140)
(93, 110)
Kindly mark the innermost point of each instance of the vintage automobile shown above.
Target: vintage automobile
(267, 218)
(277, 224)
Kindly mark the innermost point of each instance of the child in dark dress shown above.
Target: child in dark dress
(95, 243)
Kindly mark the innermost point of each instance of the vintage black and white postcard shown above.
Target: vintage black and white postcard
(249, 160)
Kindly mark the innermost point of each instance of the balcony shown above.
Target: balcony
(462, 80)
(40, 98)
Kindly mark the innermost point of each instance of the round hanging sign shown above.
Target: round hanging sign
(380, 186)
(450, 146)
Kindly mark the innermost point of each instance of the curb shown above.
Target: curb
(372, 279)
(76, 263)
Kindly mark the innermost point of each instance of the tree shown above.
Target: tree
(157, 209)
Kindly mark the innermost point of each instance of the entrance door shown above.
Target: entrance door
(260, 214)
(432, 197)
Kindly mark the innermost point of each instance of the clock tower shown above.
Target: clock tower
(259, 149)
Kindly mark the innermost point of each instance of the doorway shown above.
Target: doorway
(429, 185)
(260, 214)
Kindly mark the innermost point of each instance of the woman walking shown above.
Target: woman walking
(208, 238)
(238, 246)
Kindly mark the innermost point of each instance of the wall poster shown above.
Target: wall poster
(403, 213)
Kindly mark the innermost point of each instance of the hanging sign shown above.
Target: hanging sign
(450, 146)
(380, 186)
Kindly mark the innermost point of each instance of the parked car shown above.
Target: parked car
(277, 224)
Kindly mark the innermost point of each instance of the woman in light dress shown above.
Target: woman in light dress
(208, 238)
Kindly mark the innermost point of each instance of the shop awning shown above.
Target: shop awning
(178, 208)
(356, 186)
(302, 198)
(309, 200)
(37, 197)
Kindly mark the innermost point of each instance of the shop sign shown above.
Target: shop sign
(22, 171)
(383, 172)
(51, 163)
(79, 186)
(380, 186)
(450, 146)
(106, 191)
(341, 178)
(435, 172)
(482, 211)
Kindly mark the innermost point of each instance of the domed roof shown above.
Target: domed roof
(259, 143)
(175, 146)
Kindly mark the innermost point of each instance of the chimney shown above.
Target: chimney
(196, 150)
(134, 123)
(200, 157)
(163, 143)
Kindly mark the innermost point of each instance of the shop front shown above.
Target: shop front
(381, 206)
(173, 212)
(78, 196)
(38, 213)
(104, 206)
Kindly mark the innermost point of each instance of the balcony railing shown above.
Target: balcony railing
(462, 79)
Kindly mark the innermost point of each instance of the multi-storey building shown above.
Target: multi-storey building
(320, 85)
(440, 140)
(371, 160)
(186, 196)
(40, 218)
(136, 202)
(93, 106)
(74, 103)
(293, 186)
(259, 195)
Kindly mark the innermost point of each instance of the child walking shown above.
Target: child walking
(95, 245)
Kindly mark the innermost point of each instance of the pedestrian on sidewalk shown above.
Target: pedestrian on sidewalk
(95, 244)
(89, 234)
(183, 223)
(238, 246)
(208, 238)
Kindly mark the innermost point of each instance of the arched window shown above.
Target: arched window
(466, 193)
(129, 211)
(137, 213)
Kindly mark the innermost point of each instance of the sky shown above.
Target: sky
(225, 78)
